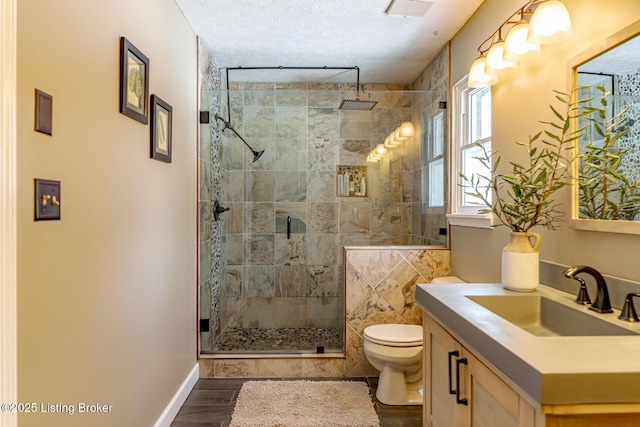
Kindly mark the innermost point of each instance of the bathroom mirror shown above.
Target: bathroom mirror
(607, 194)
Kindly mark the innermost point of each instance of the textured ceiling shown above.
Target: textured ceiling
(316, 33)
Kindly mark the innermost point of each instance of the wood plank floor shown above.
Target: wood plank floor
(211, 403)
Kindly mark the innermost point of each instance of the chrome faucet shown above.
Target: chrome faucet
(602, 303)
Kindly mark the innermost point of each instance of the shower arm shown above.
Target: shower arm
(228, 121)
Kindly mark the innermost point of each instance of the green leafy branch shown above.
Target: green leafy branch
(605, 191)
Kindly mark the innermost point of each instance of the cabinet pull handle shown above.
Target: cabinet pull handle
(456, 354)
(462, 361)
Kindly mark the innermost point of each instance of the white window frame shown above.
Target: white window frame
(460, 136)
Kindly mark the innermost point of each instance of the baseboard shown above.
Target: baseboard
(179, 398)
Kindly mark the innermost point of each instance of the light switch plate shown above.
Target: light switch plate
(47, 199)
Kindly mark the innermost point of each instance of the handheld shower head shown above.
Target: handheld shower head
(227, 125)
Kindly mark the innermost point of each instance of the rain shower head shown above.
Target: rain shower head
(357, 104)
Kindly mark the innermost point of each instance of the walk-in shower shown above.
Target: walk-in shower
(278, 250)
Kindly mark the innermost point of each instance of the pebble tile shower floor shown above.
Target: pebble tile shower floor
(211, 404)
(266, 340)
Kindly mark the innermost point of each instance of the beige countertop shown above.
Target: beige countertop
(554, 370)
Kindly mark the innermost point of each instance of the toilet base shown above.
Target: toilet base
(393, 390)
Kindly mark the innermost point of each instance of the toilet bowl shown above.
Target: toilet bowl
(396, 351)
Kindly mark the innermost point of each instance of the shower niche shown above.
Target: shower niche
(351, 181)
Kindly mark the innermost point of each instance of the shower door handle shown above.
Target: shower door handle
(288, 227)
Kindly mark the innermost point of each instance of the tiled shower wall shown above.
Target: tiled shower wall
(276, 281)
(209, 179)
(380, 285)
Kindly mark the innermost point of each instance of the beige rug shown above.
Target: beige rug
(304, 404)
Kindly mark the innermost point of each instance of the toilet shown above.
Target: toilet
(396, 351)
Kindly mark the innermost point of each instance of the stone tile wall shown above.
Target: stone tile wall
(305, 137)
(380, 288)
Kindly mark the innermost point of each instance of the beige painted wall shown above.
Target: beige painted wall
(519, 102)
(106, 296)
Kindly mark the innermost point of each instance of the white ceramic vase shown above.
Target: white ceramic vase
(520, 262)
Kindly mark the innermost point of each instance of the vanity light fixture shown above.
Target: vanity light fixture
(537, 22)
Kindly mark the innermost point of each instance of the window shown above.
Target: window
(471, 126)
(433, 179)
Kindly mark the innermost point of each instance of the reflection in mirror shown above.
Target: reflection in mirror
(609, 151)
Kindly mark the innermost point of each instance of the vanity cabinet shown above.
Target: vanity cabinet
(460, 391)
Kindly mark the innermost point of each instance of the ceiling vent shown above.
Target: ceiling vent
(415, 8)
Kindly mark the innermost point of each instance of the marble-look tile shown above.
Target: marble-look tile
(266, 162)
(258, 97)
(233, 284)
(362, 369)
(399, 287)
(291, 97)
(429, 263)
(271, 368)
(261, 249)
(323, 154)
(292, 251)
(205, 180)
(235, 368)
(355, 124)
(258, 86)
(205, 214)
(290, 186)
(324, 95)
(236, 97)
(233, 186)
(407, 187)
(207, 368)
(354, 349)
(291, 122)
(325, 367)
(354, 151)
(259, 122)
(205, 261)
(258, 281)
(323, 280)
(258, 313)
(322, 249)
(288, 154)
(234, 249)
(291, 280)
(205, 140)
(357, 289)
(234, 219)
(373, 264)
(290, 312)
(259, 186)
(232, 153)
(324, 123)
(321, 186)
(372, 311)
(298, 214)
(262, 218)
(205, 300)
(323, 312)
(323, 218)
(355, 217)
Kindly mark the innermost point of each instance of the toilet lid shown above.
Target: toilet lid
(395, 334)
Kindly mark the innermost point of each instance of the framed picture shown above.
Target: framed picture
(134, 82)
(44, 112)
(161, 117)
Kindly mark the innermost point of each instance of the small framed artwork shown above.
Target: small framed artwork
(161, 117)
(134, 82)
(44, 112)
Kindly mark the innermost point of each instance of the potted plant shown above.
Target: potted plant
(522, 196)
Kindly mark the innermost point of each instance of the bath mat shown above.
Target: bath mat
(304, 403)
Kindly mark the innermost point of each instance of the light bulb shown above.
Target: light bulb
(495, 59)
(406, 130)
(550, 23)
(477, 75)
(516, 46)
